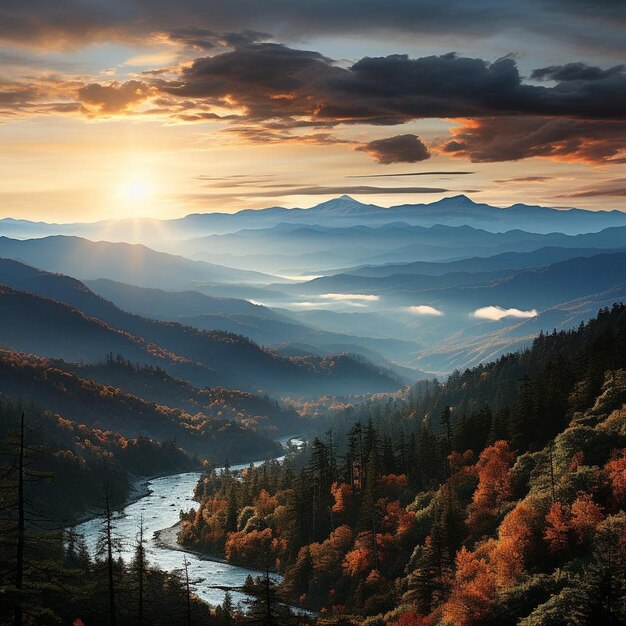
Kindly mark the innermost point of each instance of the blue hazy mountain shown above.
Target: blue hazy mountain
(456, 210)
(135, 263)
(260, 323)
(58, 316)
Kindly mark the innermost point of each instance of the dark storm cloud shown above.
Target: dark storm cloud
(282, 88)
(73, 22)
(269, 80)
(576, 71)
(205, 39)
(275, 81)
(268, 92)
(513, 138)
(399, 149)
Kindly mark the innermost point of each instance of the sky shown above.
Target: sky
(112, 108)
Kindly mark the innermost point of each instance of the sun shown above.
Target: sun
(135, 190)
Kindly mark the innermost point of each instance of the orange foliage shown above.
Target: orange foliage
(397, 518)
(558, 528)
(361, 558)
(494, 565)
(515, 535)
(342, 493)
(265, 503)
(473, 590)
(393, 484)
(374, 578)
(411, 619)
(494, 483)
(586, 515)
(357, 561)
(248, 547)
(328, 555)
(616, 473)
(577, 460)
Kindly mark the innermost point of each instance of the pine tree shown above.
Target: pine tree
(265, 608)
(139, 565)
(232, 512)
(107, 545)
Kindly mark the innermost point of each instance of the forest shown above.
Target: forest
(495, 497)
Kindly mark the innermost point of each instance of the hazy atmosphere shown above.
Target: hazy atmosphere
(313, 313)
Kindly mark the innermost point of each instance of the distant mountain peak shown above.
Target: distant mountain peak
(458, 200)
(343, 205)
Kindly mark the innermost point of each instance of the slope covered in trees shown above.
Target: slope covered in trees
(83, 400)
(495, 498)
(51, 469)
(79, 460)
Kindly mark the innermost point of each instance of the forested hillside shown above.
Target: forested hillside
(207, 432)
(494, 498)
(71, 463)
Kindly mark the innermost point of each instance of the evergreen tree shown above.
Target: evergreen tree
(108, 544)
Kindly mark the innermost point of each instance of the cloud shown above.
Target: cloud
(75, 22)
(278, 89)
(275, 82)
(496, 313)
(440, 173)
(525, 179)
(610, 188)
(270, 92)
(308, 305)
(268, 80)
(330, 302)
(354, 189)
(424, 309)
(575, 71)
(350, 296)
(114, 97)
(398, 149)
(509, 138)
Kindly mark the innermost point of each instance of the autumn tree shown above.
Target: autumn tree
(494, 485)
(558, 527)
(586, 515)
(473, 590)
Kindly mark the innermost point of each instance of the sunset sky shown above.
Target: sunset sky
(145, 107)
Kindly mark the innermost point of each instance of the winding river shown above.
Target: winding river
(160, 508)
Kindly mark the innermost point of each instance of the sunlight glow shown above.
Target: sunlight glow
(136, 190)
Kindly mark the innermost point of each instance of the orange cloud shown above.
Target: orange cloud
(114, 98)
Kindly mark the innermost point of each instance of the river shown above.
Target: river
(160, 508)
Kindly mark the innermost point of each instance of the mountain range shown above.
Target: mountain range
(402, 287)
(456, 210)
(58, 316)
